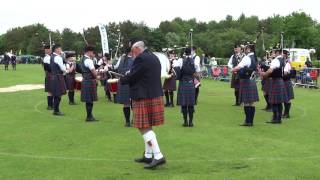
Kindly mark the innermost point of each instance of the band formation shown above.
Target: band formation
(135, 81)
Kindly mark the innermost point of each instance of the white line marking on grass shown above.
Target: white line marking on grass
(184, 160)
(36, 107)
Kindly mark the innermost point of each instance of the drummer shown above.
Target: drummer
(169, 85)
(123, 93)
(106, 67)
(70, 76)
(89, 84)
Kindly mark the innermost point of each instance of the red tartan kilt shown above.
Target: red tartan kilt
(47, 82)
(289, 89)
(277, 90)
(148, 112)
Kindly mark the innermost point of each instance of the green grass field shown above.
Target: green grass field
(35, 145)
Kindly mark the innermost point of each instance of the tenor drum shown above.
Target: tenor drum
(113, 85)
(77, 85)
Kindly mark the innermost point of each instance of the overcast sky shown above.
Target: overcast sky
(78, 14)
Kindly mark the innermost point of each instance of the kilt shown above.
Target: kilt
(278, 93)
(235, 81)
(57, 85)
(248, 92)
(46, 82)
(289, 89)
(148, 112)
(89, 90)
(186, 93)
(265, 85)
(170, 84)
(123, 94)
(70, 81)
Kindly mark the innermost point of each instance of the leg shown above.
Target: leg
(171, 99)
(108, 95)
(56, 102)
(236, 94)
(190, 111)
(248, 113)
(166, 93)
(126, 112)
(50, 101)
(71, 97)
(89, 108)
(152, 145)
(184, 111)
(197, 94)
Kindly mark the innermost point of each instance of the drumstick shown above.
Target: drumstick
(116, 74)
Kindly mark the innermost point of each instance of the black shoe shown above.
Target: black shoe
(143, 159)
(247, 124)
(287, 116)
(190, 124)
(274, 122)
(91, 119)
(155, 163)
(185, 124)
(167, 105)
(58, 114)
(128, 124)
(49, 108)
(72, 103)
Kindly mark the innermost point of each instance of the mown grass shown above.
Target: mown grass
(36, 145)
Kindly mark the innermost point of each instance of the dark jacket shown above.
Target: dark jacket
(144, 78)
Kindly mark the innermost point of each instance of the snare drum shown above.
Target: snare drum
(77, 85)
(113, 85)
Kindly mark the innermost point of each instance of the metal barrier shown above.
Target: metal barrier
(221, 72)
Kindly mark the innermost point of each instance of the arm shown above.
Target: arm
(136, 72)
(58, 60)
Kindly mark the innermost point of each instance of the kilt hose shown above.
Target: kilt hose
(123, 94)
(289, 89)
(70, 82)
(186, 93)
(235, 81)
(148, 112)
(170, 84)
(89, 90)
(278, 93)
(57, 85)
(47, 86)
(248, 92)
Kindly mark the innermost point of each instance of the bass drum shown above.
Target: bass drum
(165, 63)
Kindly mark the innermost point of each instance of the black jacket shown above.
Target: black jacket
(144, 78)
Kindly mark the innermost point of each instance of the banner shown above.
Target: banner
(104, 39)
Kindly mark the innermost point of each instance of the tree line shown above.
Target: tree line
(213, 38)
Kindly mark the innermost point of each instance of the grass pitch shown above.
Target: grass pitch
(35, 145)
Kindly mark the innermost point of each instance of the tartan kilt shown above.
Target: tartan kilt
(89, 90)
(278, 93)
(70, 82)
(47, 82)
(265, 85)
(170, 84)
(57, 85)
(123, 94)
(186, 93)
(248, 91)
(148, 112)
(289, 89)
(235, 81)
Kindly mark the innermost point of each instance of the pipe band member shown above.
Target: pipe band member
(277, 90)
(197, 62)
(248, 92)
(235, 80)
(288, 84)
(186, 98)
(48, 75)
(71, 76)
(89, 83)
(144, 80)
(169, 85)
(123, 93)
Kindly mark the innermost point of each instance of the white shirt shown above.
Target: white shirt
(46, 59)
(178, 63)
(287, 67)
(275, 63)
(197, 63)
(246, 61)
(58, 60)
(88, 63)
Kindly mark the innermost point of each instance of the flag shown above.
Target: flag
(104, 39)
